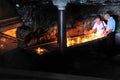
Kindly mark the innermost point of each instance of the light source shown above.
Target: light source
(61, 4)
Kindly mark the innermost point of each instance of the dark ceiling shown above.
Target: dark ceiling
(87, 2)
(33, 2)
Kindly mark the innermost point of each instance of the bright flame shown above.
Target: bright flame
(11, 32)
(40, 51)
(68, 42)
(73, 42)
(78, 40)
(81, 39)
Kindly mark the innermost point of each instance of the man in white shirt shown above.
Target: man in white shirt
(99, 25)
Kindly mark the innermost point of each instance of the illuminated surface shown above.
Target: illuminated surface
(2, 46)
(7, 44)
(2, 41)
(11, 32)
(81, 39)
(40, 51)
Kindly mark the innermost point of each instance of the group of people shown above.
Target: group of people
(106, 29)
(100, 27)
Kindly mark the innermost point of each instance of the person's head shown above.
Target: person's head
(106, 16)
(98, 19)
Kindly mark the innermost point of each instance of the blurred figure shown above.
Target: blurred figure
(110, 24)
(99, 26)
(109, 32)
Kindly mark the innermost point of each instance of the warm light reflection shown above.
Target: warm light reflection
(2, 46)
(2, 43)
(81, 39)
(40, 51)
(3, 39)
(11, 32)
(78, 40)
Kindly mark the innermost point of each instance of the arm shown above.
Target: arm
(94, 28)
(110, 27)
(108, 32)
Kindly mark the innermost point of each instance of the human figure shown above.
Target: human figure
(109, 32)
(99, 25)
(110, 28)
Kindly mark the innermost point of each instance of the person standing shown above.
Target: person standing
(110, 28)
(110, 32)
(99, 25)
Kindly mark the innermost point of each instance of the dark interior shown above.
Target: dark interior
(93, 60)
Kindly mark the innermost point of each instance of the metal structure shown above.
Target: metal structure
(61, 4)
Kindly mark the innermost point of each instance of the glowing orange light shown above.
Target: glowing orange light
(78, 40)
(2, 46)
(11, 32)
(3, 39)
(81, 39)
(40, 51)
(73, 42)
(68, 42)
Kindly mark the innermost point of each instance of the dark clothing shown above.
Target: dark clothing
(110, 44)
(111, 39)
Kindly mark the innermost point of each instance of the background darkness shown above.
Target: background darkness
(90, 59)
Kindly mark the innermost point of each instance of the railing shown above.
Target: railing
(10, 37)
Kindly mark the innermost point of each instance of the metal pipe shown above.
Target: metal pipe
(62, 31)
(61, 4)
